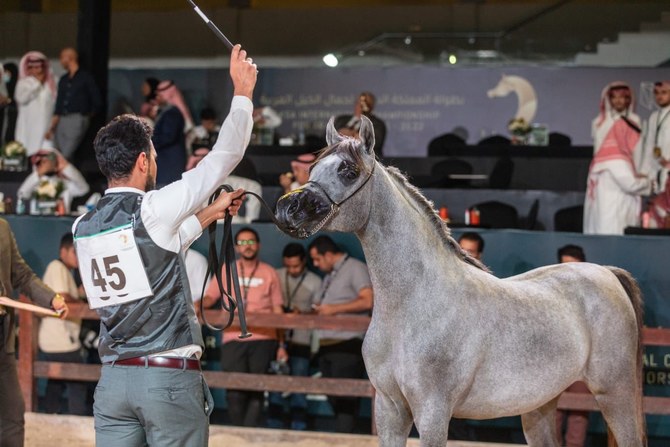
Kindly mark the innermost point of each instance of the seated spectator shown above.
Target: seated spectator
(299, 174)
(58, 339)
(346, 290)
(49, 164)
(299, 289)
(349, 124)
(577, 421)
(473, 244)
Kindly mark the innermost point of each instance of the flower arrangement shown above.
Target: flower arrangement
(14, 149)
(518, 127)
(49, 189)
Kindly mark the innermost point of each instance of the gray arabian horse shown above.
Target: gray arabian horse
(447, 338)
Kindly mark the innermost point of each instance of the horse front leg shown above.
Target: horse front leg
(393, 420)
(432, 422)
(539, 426)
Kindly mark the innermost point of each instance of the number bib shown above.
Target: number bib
(111, 268)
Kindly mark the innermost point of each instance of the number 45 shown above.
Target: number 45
(110, 272)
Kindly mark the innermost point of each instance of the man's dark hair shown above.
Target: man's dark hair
(207, 114)
(294, 249)
(324, 244)
(119, 143)
(574, 251)
(67, 240)
(474, 237)
(250, 230)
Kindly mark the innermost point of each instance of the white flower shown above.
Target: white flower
(14, 149)
(49, 189)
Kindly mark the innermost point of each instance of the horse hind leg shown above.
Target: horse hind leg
(393, 421)
(539, 426)
(625, 425)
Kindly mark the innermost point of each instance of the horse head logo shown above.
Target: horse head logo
(525, 92)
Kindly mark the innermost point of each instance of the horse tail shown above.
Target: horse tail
(634, 293)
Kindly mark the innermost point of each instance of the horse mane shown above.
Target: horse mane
(348, 147)
(440, 226)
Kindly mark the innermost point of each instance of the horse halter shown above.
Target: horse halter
(334, 206)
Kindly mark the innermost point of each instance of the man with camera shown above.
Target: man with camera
(50, 166)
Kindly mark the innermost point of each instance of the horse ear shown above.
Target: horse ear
(332, 135)
(367, 133)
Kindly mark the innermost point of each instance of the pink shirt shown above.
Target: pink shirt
(261, 291)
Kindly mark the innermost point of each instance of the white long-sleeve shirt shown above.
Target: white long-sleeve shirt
(656, 134)
(35, 103)
(168, 214)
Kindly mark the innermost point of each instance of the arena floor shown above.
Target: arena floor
(43, 430)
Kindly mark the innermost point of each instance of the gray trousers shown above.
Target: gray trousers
(69, 133)
(137, 406)
(11, 402)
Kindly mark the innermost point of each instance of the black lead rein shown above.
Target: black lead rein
(226, 257)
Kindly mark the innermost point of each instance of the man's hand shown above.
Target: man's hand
(227, 201)
(243, 72)
(285, 181)
(59, 305)
(47, 165)
(61, 162)
(324, 309)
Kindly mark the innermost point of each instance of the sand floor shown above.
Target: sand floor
(43, 430)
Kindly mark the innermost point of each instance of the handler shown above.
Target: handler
(151, 390)
(15, 274)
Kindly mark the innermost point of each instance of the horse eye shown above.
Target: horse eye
(347, 170)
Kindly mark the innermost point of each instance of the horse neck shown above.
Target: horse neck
(527, 99)
(399, 228)
(523, 90)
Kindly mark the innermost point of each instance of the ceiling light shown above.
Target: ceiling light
(330, 60)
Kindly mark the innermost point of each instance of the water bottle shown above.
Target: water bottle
(301, 136)
(20, 205)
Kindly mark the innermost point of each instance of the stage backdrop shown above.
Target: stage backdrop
(417, 103)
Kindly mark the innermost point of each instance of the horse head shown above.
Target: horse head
(503, 88)
(338, 176)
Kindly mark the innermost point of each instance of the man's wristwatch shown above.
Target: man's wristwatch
(58, 296)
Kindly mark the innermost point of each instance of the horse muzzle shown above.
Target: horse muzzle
(303, 211)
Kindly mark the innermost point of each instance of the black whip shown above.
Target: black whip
(215, 29)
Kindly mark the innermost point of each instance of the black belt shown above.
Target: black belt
(162, 362)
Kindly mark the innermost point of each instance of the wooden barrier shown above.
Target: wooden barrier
(29, 368)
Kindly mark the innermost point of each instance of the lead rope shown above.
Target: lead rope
(226, 257)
